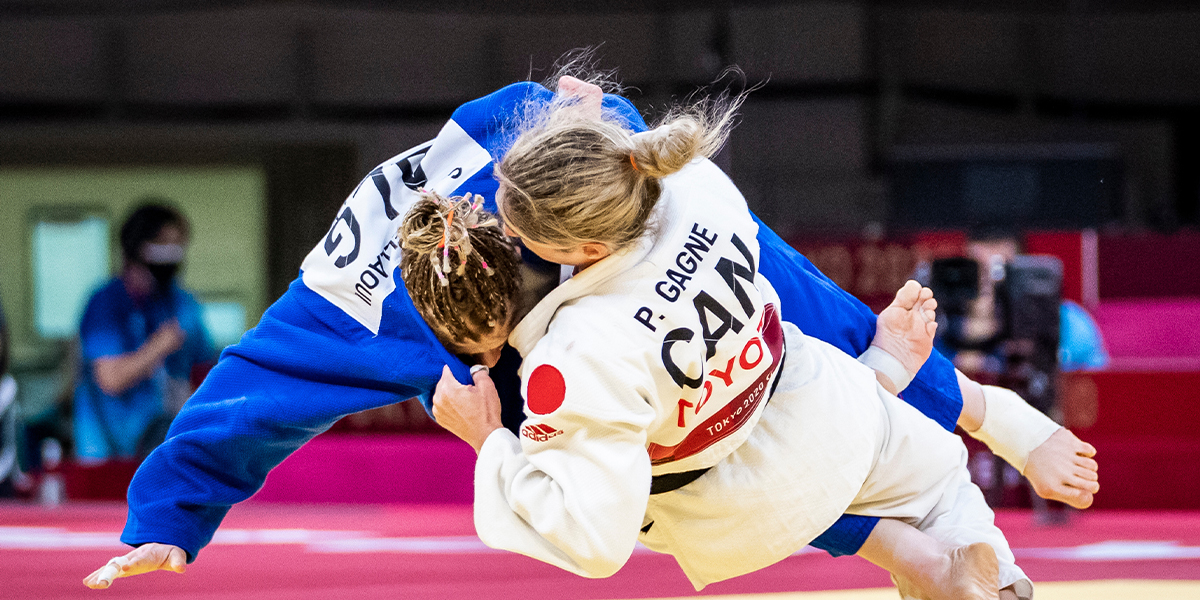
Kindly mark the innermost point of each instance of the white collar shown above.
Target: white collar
(533, 327)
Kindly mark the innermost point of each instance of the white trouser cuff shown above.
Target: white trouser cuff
(881, 360)
(1011, 427)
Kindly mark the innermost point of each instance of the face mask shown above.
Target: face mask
(163, 274)
(161, 254)
(163, 261)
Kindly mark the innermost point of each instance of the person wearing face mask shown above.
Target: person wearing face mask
(141, 337)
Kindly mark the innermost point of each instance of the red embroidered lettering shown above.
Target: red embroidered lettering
(708, 390)
(732, 416)
(539, 433)
(757, 343)
(726, 375)
(682, 405)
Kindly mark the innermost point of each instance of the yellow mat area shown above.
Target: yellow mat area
(1115, 589)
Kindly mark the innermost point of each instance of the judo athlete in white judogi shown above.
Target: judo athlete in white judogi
(348, 307)
(668, 403)
(637, 367)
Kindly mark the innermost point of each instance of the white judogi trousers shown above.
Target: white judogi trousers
(831, 440)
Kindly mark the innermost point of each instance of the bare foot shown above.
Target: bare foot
(974, 573)
(1063, 469)
(1021, 590)
(967, 573)
(905, 328)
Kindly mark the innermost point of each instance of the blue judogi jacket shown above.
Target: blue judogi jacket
(346, 338)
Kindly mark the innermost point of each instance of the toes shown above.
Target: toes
(1072, 489)
(1087, 475)
(95, 584)
(1087, 463)
(908, 296)
(1066, 494)
(1086, 449)
(1080, 499)
(177, 560)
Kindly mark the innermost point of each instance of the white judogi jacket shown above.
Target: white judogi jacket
(655, 360)
(660, 359)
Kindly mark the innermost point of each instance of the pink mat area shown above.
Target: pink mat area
(374, 552)
(365, 468)
(1158, 334)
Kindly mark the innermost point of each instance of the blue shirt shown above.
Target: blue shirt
(1080, 346)
(113, 323)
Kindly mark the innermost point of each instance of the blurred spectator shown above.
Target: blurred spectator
(9, 471)
(979, 350)
(141, 336)
(976, 333)
(973, 340)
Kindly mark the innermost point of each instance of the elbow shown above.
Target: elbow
(604, 560)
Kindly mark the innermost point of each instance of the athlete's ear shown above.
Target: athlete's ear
(594, 251)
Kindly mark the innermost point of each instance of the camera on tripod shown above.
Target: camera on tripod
(1006, 311)
(1021, 341)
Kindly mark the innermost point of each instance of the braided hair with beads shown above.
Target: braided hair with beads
(461, 271)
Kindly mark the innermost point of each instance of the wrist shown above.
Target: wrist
(887, 365)
(482, 436)
(153, 350)
(1012, 428)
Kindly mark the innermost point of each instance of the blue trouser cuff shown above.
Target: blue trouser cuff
(845, 536)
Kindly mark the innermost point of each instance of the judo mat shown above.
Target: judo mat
(377, 552)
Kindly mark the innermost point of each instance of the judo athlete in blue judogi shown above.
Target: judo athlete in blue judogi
(345, 338)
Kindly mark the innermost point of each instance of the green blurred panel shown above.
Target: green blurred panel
(225, 205)
(225, 321)
(70, 260)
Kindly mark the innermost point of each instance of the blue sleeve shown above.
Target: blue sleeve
(821, 309)
(304, 366)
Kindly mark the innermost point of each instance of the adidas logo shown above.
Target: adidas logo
(539, 433)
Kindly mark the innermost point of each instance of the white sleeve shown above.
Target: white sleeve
(572, 491)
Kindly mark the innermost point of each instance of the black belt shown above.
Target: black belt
(669, 482)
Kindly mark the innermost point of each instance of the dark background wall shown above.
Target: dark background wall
(319, 92)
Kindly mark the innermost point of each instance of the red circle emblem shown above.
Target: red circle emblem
(546, 390)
